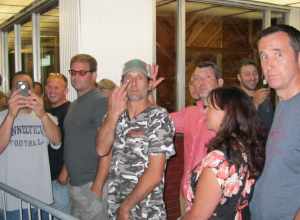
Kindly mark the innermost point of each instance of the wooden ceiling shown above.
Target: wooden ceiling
(8, 8)
(50, 20)
(168, 7)
(290, 3)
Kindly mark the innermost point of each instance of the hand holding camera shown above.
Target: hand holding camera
(23, 88)
(23, 97)
(16, 102)
(36, 103)
(261, 95)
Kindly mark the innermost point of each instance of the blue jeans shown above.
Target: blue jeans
(61, 197)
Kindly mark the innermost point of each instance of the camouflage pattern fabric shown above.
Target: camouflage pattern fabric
(150, 133)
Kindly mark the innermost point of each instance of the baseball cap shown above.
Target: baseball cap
(136, 65)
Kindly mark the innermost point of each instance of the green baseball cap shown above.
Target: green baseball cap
(136, 65)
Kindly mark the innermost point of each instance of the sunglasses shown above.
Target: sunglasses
(79, 72)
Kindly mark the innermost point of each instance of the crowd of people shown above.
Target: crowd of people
(103, 156)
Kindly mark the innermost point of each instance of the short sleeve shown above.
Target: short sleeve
(220, 167)
(161, 134)
(226, 173)
(211, 160)
(100, 110)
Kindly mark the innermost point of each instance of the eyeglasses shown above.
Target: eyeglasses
(80, 72)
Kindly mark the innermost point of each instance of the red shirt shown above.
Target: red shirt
(191, 122)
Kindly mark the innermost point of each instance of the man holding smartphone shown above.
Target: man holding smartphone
(248, 78)
(25, 131)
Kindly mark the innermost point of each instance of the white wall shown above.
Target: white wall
(69, 16)
(115, 31)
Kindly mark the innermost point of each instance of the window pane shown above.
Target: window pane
(26, 48)
(166, 53)
(220, 34)
(49, 24)
(277, 18)
(11, 55)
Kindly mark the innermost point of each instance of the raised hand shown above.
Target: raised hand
(36, 103)
(15, 102)
(154, 73)
(260, 96)
(117, 101)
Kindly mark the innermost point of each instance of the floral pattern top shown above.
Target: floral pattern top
(234, 182)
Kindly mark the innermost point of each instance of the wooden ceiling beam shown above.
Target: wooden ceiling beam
(197, 30)
(162, 3)
(217, 33)
(226, 51)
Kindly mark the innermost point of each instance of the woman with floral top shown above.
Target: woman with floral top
(221, 184)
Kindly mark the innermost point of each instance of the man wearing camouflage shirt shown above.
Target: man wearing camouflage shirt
(141, 136)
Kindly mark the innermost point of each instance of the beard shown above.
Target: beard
(249, 87)
(137, 97)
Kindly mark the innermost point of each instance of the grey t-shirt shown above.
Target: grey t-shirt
(81, 123)
(24, 162)
(277, 191)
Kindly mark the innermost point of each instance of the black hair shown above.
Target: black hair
(293, 34)
(240, 135)
(215, 67)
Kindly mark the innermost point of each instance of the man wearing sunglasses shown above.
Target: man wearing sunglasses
(87, 171)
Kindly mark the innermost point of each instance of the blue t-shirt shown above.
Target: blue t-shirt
(277, 191)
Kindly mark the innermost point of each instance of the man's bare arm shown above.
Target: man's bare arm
(5, 131)
(15, 103)
(147, 182)
(102, 173)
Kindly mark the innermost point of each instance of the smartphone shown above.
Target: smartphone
(23, 87)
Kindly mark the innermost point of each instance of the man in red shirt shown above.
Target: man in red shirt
(191, 121)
